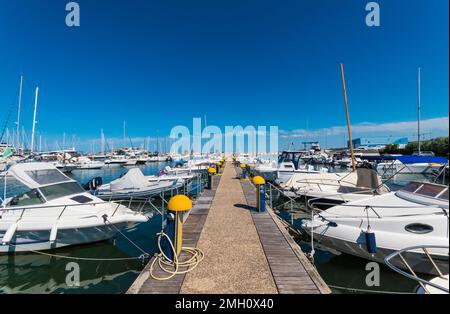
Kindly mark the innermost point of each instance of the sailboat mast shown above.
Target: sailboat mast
(350, 141)
(34, 119)
(418, 108)
(18, 114)
(124, 135)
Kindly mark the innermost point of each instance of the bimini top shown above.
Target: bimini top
(37, 174)
(409, 159)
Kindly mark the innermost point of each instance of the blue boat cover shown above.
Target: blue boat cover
(410, 159)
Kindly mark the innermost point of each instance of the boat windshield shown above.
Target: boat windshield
(55, 191)
(32, 197)
(427, 189)
(47, 176)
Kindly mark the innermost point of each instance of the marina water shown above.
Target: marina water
(38, 273)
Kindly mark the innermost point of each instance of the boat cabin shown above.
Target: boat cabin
(44, 183)
(290, 159)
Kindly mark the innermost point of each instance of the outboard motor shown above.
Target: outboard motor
(93, 184)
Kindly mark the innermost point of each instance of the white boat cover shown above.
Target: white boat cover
(133, 179)
(37, 174)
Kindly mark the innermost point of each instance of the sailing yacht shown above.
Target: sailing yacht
(416, 215)
(55, 211)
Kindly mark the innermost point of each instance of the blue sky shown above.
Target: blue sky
(157, 64)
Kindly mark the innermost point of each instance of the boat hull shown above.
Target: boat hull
(38, 240)
(418, 261)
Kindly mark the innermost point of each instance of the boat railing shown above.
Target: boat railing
(314, 208)
(412, 275)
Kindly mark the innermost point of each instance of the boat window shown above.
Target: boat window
(47, 176)
(419, 228)
(32, 197)
(412, 187)
(430, 190)
(52, 192)
(444, 195)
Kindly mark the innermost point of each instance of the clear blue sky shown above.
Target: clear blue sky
(157, 64)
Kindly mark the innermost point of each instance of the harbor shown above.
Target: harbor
(190, 150)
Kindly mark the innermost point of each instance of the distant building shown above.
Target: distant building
(377, 142)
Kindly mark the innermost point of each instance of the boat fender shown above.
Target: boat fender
(371, 242)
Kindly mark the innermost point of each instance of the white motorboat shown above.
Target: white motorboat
(190, 167)
(115, 162)
(415, 215)
(55, 211)
(66, 167)
(410, 164)
(85, 163)
(288, 164)
(133, 185)
(328, 189)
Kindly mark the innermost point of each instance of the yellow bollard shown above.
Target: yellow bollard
(174, 223)
(211, 172)
(260, 184)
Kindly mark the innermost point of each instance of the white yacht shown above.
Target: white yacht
(378, 226)
(288, 164)
(85, 163)
(411, 164)
(55, 211)
(325, 190)
(133, 185)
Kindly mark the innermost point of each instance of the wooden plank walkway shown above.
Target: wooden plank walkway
(291, 271)
(192, 229)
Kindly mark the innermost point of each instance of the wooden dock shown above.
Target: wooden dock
(271, 263)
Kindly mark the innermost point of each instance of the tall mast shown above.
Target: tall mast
(34, 119)
(124, 135)
(102, 142)
(18, 114)
(348, 118)
(418, 108)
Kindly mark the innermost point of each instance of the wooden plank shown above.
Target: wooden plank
(292, 271)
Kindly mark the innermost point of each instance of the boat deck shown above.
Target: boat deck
(245, 251)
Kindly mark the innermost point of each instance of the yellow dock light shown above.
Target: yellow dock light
(260, 193)
(211, 172)
(177, 205)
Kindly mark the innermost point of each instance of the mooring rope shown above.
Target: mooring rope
(368, 291)
(191, 263)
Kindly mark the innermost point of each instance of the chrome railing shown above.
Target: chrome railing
(412, 275)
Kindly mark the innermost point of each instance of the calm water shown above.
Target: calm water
(35, 273)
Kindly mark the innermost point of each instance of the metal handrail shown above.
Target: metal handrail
(412, 275)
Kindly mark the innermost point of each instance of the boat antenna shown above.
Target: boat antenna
(418, 109)
(350, 141)
(124, 134)
(18, 113)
